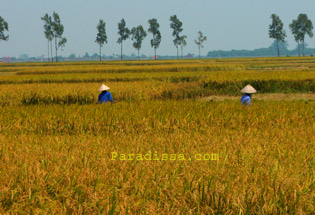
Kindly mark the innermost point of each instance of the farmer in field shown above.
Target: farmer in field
(247, 91)
(105, 95)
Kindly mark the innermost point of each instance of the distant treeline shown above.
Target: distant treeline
(261, 52)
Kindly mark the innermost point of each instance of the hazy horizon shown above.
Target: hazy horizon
(241, 24)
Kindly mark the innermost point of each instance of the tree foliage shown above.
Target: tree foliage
(301, 27)
(49, 34)
(200, 41)
(154, 29)
(58, 30)
(101, 36)
(3, 27)
(124, 33)
(138, 34)
(276, 30)
(176, 25)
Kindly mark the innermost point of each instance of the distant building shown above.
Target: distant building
(189, 56)
(5, 60)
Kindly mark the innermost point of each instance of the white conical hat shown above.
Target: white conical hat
(248, 89)
(103, 87)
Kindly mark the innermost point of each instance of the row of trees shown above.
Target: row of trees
(53, 30)
(300, 27)
(138, 34)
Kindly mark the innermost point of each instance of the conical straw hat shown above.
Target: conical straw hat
(103, 87)
(248, 89)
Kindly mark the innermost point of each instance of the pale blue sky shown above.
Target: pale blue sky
(228, 24)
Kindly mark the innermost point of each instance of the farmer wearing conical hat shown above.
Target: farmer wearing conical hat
(247, 91)
(105, 95)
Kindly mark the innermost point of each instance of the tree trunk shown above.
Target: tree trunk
(199, 52)
(138, 55)
(48, 50)
(303, 48)
(121, 51)
(56, 49)
(154, 53)
(51, 51)
(278, 48)
(177, 52)
(299, 48)
(100, 53)
(182, 52)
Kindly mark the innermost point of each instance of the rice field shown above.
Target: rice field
(178, 141)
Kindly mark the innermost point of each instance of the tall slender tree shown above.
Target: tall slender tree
(200, 41)
(123, 32)
(138, 34)
(182, 43)
(48, 32)
(154, 29)
(58, 30)
(294, 27)
(3, 28)
(301, 27)
(176, 25)
(276, 30)
(101, 37)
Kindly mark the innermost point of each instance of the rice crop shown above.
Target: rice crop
(166, 147)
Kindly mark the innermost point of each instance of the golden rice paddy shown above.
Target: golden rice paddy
(177, 142)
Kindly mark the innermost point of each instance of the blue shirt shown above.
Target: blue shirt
(105, 96)
(246, 99)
